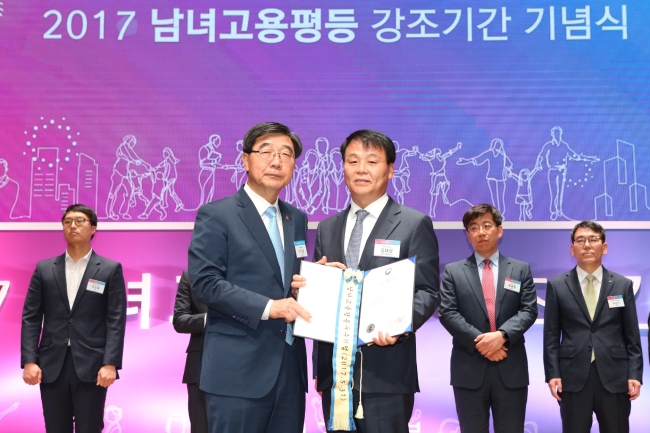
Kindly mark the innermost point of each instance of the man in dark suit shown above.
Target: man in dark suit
(386, 371)
(73, 329)
(488, 302)
(241, 259)
(190, 318)
(592, 349)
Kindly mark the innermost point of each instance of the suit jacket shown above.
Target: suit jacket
(569, 333)
(234, 271)
(94, 326)
(464, 314)
(390, 369)
(189, 317)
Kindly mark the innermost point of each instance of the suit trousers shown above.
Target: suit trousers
(68, 401)
(281, 410)
(383, 413)
(612, 409)
(508, 405)
(196, 409)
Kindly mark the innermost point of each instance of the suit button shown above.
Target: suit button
(589, 348)
(70, 320)
(245, 322)
(593, 330)
(282, 331)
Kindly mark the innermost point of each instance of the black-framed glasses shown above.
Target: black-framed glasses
(78, 221)
(269, 155)
(591, 239)
(475, 228)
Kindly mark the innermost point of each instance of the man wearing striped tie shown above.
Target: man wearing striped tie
(488, 302)
(592, 349)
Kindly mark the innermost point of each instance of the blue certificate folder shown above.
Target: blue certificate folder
(386, 301)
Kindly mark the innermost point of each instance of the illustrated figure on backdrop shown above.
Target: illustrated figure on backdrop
(209, 162)
(239, 173)
(337, 177)
(555, 156)
(241, 258)
(163, 177)
(385, 373)
(9, 190)
(592, 348)
(127, 175)
(439, 182)
(325, 169)
(190, 318)
(402, 171)
(488, 302)
(498, 172)
(305, 183)
(524, 197)
(73, 323)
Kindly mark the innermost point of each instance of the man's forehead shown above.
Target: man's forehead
(585, 231)
(75, 214)
(265, 140)
(371, 149)
(486, 217)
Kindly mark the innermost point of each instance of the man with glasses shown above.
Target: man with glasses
(244, 250)
(592, 349)
(488, 302)
(73, 328)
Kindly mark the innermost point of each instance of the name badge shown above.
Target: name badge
(513, 285)
(301, 249)
(96, 286)
(616, 301)
(386, 248)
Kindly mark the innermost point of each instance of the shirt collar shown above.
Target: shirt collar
(582, 274)
(373, 208)
(84, 258)
(260, 202)
(494, 258)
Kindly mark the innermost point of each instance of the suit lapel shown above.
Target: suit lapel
(471, 272)
(288, 228)
(505, 270)
(91, 270)
(338, 242)
(573, 284)
(253, 221)
(59, 276)
(386, 223)
(606, 287)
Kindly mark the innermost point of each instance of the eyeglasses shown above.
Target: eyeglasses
(78, 221)
(591, 239)
(475, 228)
(269, 155)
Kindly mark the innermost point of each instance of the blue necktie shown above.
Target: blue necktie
(274, 234)
(354, 246)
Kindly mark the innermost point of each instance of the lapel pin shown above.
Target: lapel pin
(286, 217)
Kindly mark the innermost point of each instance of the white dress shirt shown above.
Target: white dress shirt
(374, 210)
(74, 272)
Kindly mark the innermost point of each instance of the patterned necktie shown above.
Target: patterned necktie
(274, 234)
(489, 293)
(591, 298)
(354, 246)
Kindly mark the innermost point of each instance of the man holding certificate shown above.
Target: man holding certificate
(488, 303)
(374, 231)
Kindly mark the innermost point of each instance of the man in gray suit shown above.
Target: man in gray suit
(241, 259)
(592, 349)
(488, 302)
(73, 326)
(385, 373)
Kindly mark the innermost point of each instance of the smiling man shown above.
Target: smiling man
(385, 373)
(592, 349)
(73, 328)
(488, 302)
(241, 259)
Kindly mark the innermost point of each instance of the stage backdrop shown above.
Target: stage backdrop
(138, 109)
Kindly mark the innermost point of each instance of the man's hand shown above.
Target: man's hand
(489, 343)
(106, 375)
(384, 339)
(316, 387)
(556, 388)
(288, 309)
(500, 355)
(299, 282)
(32, 374)
(633, 388)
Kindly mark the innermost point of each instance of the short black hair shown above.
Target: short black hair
(266, 128)
(479, 210)
(586, 224)
(371, 138)
(92, 216)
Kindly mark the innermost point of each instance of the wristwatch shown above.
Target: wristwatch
(504, 334)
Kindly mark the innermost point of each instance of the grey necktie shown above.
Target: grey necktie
(274, 234)
(354, 246)
(591, 298)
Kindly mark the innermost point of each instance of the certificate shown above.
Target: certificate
(386, 301)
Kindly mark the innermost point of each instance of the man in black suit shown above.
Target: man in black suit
(190, 318)
(488, 302)
(73, 329)
(385, 372)
(592, 349)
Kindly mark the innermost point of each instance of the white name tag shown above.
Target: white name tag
(301, 249)
(386, 248)
(616, 301)
(513, 285)
(96, 286)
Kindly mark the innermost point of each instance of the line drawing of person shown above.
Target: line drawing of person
(239, 174)
(168, 166)
(402, 172)
(336, 175)
(555, 155)
(498, 171)
(209, 161)
(9, 190)
(127, 168)
(306, 185)
(439, 182)
(112, 417)
(10, 409)
(524, 197)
